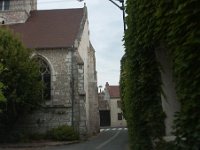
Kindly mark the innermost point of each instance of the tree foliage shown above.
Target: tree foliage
(174, 25)
(20, 77)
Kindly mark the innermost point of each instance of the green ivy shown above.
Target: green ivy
(174, 25)
(2, 97)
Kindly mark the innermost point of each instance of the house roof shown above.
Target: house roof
(114, 91)
(50, 28)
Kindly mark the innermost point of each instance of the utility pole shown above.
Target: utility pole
(122, 7)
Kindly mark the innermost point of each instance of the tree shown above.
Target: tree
(20, 77)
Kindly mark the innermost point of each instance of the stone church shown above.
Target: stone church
(61, 44)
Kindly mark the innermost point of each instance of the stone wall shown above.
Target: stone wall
(79, 111)
(67, 103)
(93, 92)
(26, 5)
(60, 62)
(44, 119)
(59, 109)
(12, 17)
(87, 54)
(18, 11)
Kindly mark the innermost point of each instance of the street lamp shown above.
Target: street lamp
(121, 8)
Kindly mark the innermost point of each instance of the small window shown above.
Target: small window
(4, 4)
(120, 117)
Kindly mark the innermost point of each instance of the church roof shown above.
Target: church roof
(50, 28)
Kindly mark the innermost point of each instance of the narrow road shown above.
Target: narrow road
(108, 139)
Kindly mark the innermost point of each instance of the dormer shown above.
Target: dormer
(16, 11)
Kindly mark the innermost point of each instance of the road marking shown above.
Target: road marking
(108, 141)
(101, 130)
(113, 129)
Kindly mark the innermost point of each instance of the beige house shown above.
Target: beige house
(110, 106)
(60, 39)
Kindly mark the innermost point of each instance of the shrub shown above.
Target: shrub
(62, 133)
(162, 145)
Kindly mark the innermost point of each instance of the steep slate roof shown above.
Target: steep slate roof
(114, 91)
(50, 28)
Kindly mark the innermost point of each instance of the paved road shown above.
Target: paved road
(108, 139)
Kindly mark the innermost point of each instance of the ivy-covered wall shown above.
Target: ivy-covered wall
(173, 24)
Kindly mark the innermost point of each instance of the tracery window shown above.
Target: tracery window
(4, 5)
(45, 76)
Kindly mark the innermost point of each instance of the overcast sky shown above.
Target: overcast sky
(106, 33)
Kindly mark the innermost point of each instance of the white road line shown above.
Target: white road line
(101, 130)
(113, 129)
(108, 141)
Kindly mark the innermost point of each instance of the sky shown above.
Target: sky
(106, 34)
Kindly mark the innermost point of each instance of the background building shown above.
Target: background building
(110, 107)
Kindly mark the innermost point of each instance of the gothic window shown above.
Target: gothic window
(4, 4)
(45, 76)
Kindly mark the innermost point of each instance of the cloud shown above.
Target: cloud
(106, 34)
(106, 26)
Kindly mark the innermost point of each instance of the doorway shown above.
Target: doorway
(104, 118)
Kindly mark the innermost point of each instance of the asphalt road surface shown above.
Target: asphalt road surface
(108, 139)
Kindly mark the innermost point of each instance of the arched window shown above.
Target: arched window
(45, 76)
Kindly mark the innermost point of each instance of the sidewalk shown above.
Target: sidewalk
(35, 144)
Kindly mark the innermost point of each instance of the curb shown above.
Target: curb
(35, 145)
